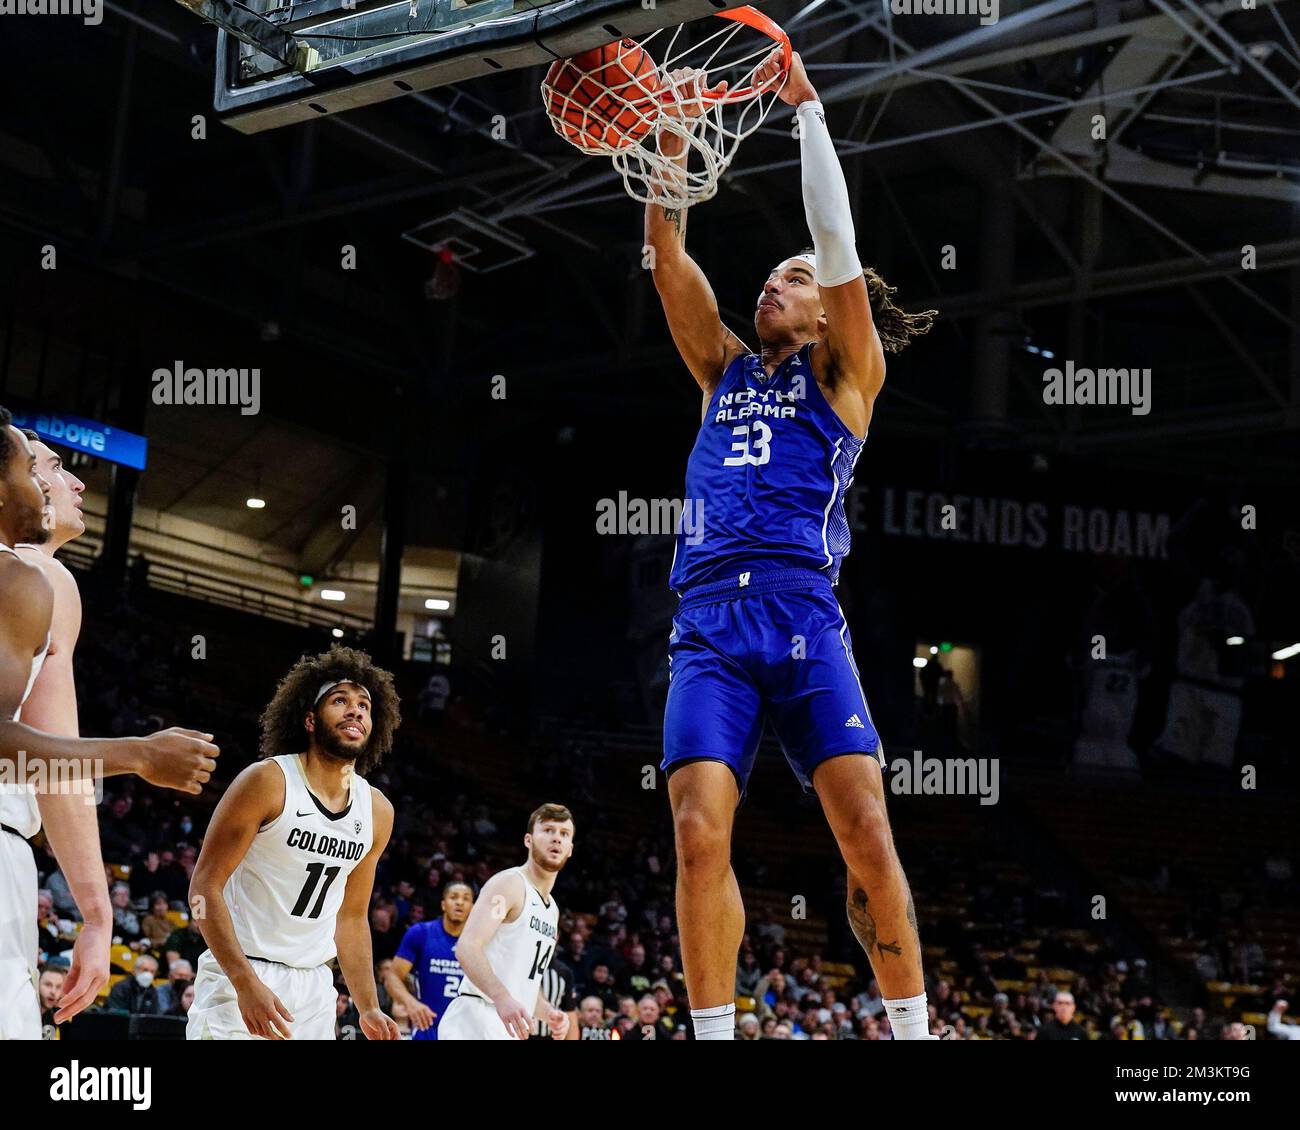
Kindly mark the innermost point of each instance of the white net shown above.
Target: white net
(674, 133)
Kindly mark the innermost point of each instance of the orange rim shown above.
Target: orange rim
(751, 17)
(769, 27)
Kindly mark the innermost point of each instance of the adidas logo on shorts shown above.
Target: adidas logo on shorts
(856, 722)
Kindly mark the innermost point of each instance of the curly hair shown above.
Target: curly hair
(283, 727)
(894, 326)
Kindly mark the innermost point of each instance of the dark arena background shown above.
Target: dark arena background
(454, 432)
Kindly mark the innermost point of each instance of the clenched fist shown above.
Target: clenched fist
(178, 759)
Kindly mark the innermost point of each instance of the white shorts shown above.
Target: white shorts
(471, 1018)
(20, 1009)
(308, 994)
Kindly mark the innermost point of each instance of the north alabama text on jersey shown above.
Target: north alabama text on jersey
(747, 402)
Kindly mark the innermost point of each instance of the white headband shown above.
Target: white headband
(809, 258)
(326, 687)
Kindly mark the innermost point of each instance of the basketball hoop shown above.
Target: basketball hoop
(616, 101)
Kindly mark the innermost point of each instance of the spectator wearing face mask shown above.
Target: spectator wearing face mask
(180, 976)
(138, 994)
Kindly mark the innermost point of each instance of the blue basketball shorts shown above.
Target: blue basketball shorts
(764, 645)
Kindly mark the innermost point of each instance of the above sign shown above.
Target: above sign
(103, 441)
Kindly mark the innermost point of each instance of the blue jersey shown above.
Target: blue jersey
(766, 480)
(432, 954)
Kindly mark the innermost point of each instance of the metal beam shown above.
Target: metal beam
(1244, 55)
(979, 40)
(1068, 32)
(1235, 343)
(1151, 221)
(1125, 280)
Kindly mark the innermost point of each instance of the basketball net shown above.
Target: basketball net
(709, 126)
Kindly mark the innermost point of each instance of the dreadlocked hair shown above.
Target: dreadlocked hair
(283, 727)
(894, 326)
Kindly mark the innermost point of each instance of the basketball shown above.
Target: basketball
(604, 99)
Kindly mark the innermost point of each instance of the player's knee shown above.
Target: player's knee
(701, 844)
(865, 838)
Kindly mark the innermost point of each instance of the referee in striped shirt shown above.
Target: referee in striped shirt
(557, 986)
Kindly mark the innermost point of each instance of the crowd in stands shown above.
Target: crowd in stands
(619, 956)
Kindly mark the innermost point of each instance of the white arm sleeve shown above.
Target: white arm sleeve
(826, 199)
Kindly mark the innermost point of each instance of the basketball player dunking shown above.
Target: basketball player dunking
(284, 877)
(758, 629)
(509, 941)
(177, 759)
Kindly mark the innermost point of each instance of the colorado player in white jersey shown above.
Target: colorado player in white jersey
(510, 939)
(284, 878)
(69, 821)
(178, 759)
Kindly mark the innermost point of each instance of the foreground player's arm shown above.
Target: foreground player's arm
(501, 900)
(173, 759)
(852, 364)
(352, 930)
(395, 981)
(255, 798)
(69, 816)
(705, 344)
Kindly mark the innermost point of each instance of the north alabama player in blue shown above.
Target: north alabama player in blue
(510, 939)
(758, 632)
(429, 950)
(284, 878)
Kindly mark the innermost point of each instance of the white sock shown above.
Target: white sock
(909, 1018)
(717, 1023)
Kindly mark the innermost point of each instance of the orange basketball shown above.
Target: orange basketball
(604, 99)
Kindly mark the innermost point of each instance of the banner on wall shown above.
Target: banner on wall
(103, 441)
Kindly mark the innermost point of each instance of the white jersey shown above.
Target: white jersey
(520, 951)
(18, 808)
(286, 892)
